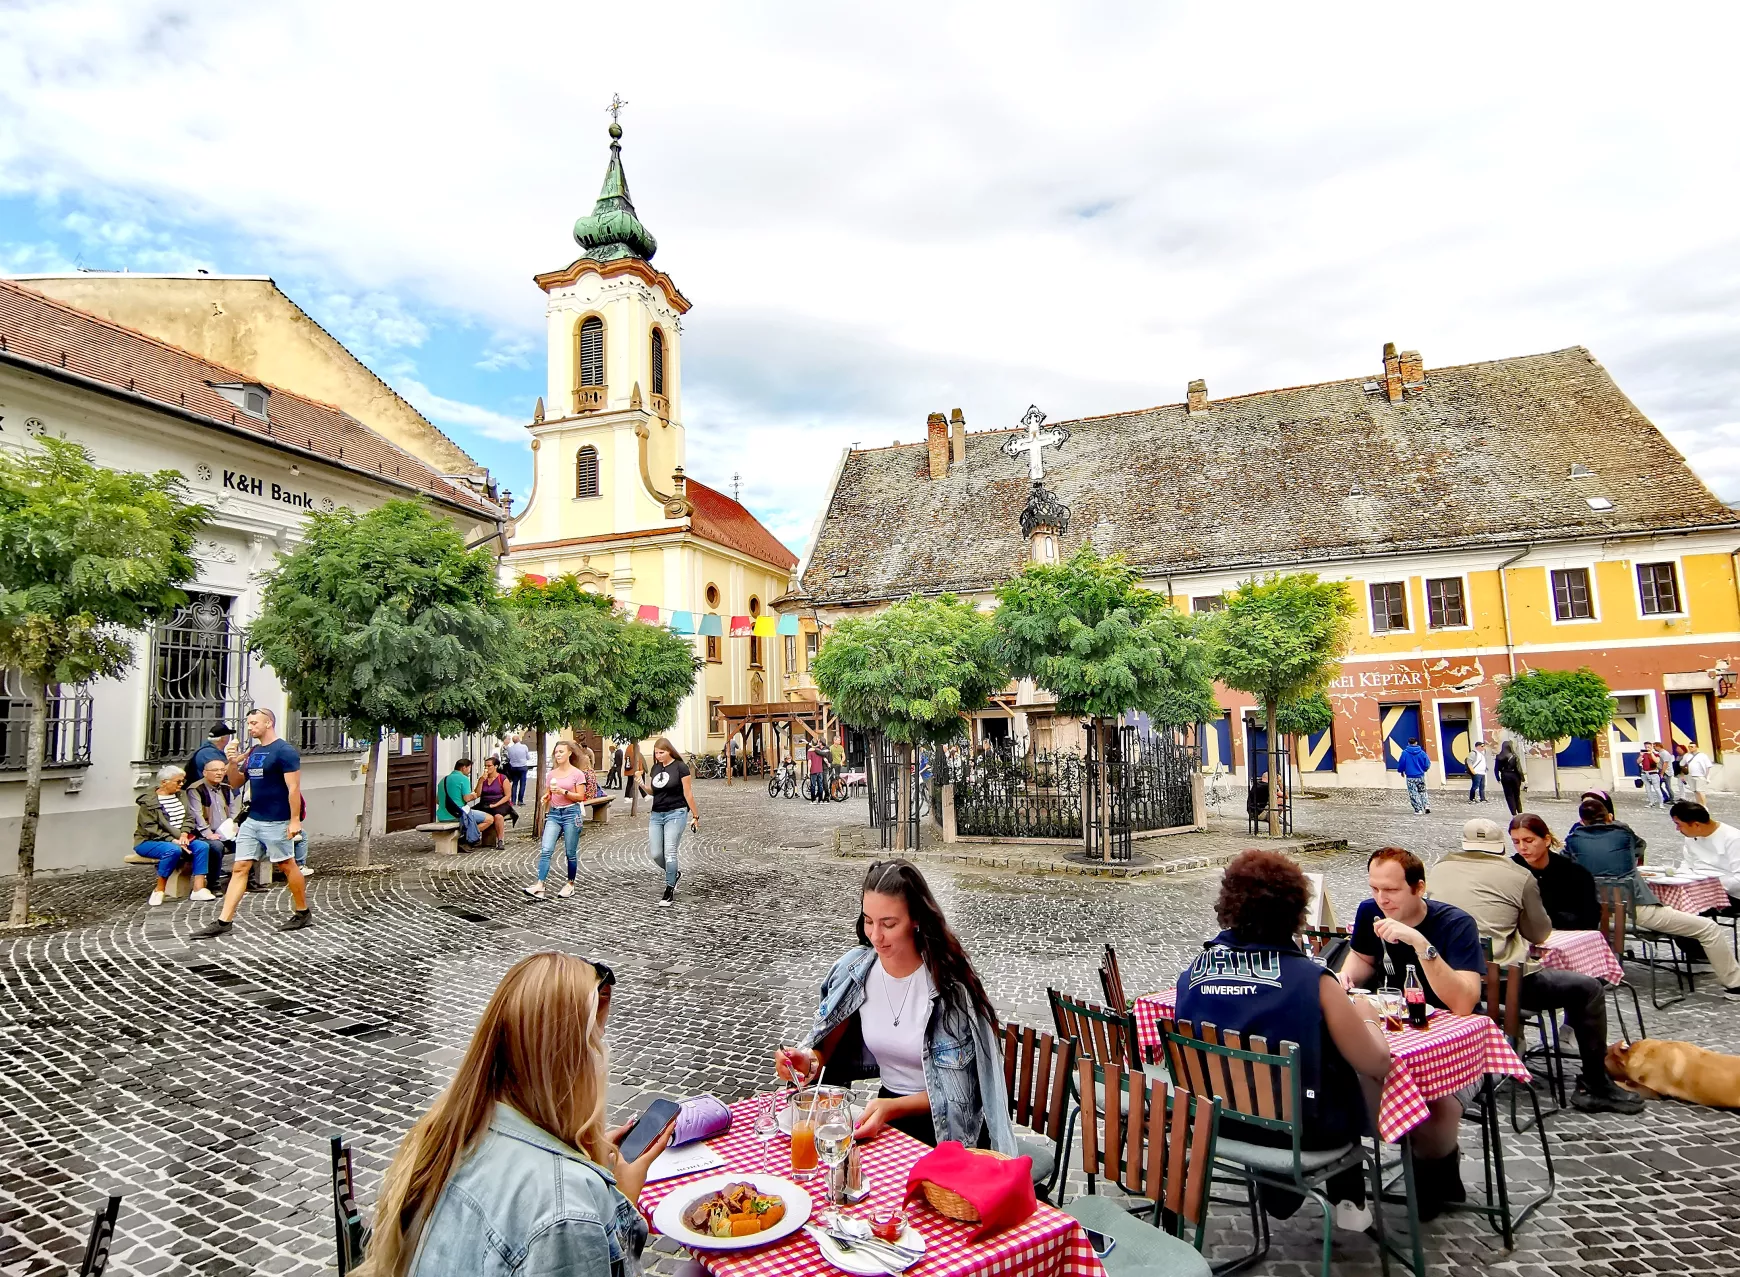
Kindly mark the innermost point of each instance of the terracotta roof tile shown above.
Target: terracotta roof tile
(723, 521)
(59, 336)
(1480, 456)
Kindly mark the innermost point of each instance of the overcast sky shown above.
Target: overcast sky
(884, 211)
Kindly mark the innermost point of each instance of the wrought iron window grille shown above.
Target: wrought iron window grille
(199, 676)
(67, 733)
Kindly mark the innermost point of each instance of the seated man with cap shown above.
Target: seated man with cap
(1505, 902)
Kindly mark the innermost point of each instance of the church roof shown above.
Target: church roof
(56, 340)
(612, 230)
(721, 520)
(1477, 455)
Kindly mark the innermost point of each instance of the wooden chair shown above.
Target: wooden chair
(1616, 910)
(350, 1235)
(101, 1238)
(1159, 1145)
(1101, 1035)
(1261, 1088)
(1112, 982)
(1037, 1073)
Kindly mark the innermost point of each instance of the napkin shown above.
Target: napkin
(1000, 1189)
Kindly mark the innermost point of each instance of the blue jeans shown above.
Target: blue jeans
(563, 822)
(169, 854)
(471, 823)
(1476, 786)
(664, 831)
(1417, 792)
(518, 776)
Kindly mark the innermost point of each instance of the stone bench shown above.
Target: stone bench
(180, 883)
(446, 834)
(598, 809)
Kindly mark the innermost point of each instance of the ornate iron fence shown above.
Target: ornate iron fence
(67, 738)
(1136, 781)
(895, 794)
(199, 675)
(1000, 793)
(319, 735)
(1106, 803)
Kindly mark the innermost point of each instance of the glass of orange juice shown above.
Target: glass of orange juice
(811, 1109)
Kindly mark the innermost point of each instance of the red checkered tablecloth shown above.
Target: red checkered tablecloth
(1586, 952)
(1047, 1244)
(1690, 895)
(1451, 1052)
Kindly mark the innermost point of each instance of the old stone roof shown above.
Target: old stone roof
(1479, 454)
(724, 522)
(56, 338)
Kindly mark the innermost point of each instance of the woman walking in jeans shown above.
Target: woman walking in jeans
(673, 791)
(565, 789)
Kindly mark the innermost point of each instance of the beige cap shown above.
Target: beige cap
(1481, 834)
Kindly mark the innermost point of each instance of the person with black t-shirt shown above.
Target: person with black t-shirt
(673, 807)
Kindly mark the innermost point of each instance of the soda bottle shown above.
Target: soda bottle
(1414, 995)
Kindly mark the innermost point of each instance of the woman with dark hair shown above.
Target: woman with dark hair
(1253, 977)
(1567, 889)
(1508, 767)
(906, 1005)
(673, 809)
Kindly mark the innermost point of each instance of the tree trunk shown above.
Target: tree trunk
(1274, 780)
(1105, 782)
(368, 808)
(639, 761)
(34, 743)
(538, 792)
(903, 779)
(1554, 747)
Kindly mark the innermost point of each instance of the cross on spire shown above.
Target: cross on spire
(615, 107)
(1034, 441)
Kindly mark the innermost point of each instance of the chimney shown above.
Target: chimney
(1197, 394)
(1413, 370)
(958, 436)
(1392, 372)
(937, 437)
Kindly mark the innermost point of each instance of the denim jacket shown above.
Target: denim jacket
(963, 1068)
(523, 1202)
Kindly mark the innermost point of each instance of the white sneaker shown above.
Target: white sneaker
(567, 890)
(156, 898)
(1352, 1219)
(202, 895)
(306, 871)
(536, 891)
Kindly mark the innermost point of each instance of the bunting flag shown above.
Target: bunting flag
(711, 626)
(741, 625)
(649, 613)
(532, 578)
(682, 622)
(788, 624)
(764, 626)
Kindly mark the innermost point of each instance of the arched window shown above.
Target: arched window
(592, 352)
(586, 472)
(658, 361)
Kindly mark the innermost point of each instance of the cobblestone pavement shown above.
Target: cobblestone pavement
(202, 1080)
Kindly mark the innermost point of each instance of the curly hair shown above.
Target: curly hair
(1263, 895)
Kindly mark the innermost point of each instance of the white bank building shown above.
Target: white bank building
(261, 459)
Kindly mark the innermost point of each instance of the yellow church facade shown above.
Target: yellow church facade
(610, 502)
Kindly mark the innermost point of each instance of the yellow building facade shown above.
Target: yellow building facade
(610, 501)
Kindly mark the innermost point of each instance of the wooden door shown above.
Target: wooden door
(411, 783)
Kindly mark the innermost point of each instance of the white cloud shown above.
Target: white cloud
(451, 412)
(881, 212)
(372, 326)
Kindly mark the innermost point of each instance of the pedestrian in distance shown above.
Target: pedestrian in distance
(1508, 767)
(673, 808)
(564, 800)
(1477, 764)
(163, 830)
(518, 760)
(613, 779)
(1698, 766)
(1649, 775)
(274, 772)
(1414, 764)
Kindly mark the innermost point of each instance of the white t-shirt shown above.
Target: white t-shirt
(1719, 854)
(1698, 765)
(1477, 762)
(898, 1048)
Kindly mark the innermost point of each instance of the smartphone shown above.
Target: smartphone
(648, 1127)
(1102, 1244)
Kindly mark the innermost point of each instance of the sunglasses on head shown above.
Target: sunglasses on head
(606, 977)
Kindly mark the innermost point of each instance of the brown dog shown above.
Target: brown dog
(1653, 1068)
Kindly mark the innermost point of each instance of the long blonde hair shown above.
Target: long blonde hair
(539, 1047)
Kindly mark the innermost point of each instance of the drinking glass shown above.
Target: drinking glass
(814, 1108)
(766, 1122)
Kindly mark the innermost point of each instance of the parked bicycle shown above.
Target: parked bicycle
(783, 780)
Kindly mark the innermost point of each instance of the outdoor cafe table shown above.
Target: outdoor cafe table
(1585, 952)
(1047, 1243)
(1451, 1052)
(1689, 894)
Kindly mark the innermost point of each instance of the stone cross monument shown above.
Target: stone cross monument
(1034, 440)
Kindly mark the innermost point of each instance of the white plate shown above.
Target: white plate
(668, 1216)
(860, 1262)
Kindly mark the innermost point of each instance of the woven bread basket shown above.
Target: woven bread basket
(951, 1204)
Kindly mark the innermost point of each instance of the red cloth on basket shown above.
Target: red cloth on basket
(1000, 1189)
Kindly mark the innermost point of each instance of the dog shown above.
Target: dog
(1653, 1068)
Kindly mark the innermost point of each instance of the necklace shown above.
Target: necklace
(906, 992)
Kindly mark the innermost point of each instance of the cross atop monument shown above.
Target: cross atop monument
(615, 107)
(1034, 440)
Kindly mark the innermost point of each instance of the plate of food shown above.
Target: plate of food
(733, 1212)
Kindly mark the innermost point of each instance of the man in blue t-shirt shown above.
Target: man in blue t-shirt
(274, 772)
(1398, 929)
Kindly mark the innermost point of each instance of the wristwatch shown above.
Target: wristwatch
(1431, 952)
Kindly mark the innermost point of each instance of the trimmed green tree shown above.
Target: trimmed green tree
(908, 674)
(655, 672)
(386, 621)
(1086, 632)
(1281, 639)
(1547, 706)
(88, 557)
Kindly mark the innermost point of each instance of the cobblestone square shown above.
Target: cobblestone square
(203, 1080)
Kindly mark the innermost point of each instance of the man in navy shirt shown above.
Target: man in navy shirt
(1399, 928)
(274, 771)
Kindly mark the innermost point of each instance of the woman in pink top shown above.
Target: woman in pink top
(564, 790)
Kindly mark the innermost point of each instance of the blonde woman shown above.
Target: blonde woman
(564, 793)
(511, 1169)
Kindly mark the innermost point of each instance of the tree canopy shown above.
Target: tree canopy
(1282, 638)
(88, 557)
(1306, 716)
(1549, 705)
(1086, 632)
(911, 671)
(656, 670)
(567, 656)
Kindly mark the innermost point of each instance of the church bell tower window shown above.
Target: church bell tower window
(658, 362)
(586, 472)
(589, 385)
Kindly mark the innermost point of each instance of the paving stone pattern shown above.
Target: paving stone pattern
(203, 1080)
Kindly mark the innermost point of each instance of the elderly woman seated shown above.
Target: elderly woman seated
(163, 831)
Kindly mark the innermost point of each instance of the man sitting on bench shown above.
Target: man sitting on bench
(456, 792)
(163, 830)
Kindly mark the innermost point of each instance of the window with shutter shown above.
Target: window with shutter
(1571, 595)
(658, 362)
(1657, 588)
(1389, 607)
(592, 352)
(586, 472)
(1444, 605)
